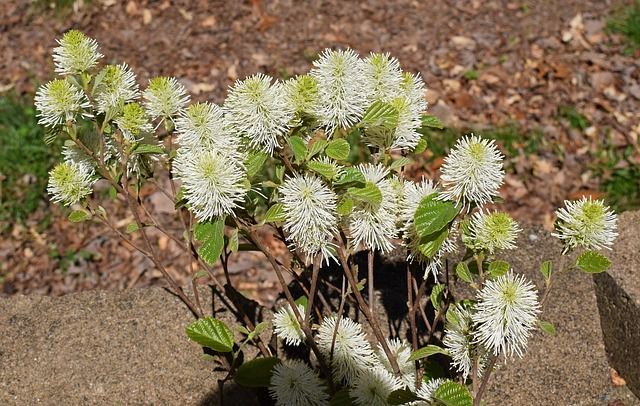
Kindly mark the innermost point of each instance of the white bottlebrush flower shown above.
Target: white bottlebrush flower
(373, 386)
(69, 182)
(342, 98)
(426, 391)
(505, 314)
(259, 111)
(310, 214)
(133, 122)
(203, 126)
(166, 97)
(293, 383)
(472, 173)
(213, 183)
(302, 95)
(458, 341)
(117, 87)
(352, 353)
(493, 231)
(58, 102)
(401, 351)
(76, 54)
(382, 77)
(374, 225)
(286, 325)
(586, 223)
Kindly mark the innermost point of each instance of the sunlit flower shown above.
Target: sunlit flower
(203, 126)
(76, 54)
(401, 351)
(343, 99)
(352, 353)
(293, 383)
(302, 95)
(259, 111)
(472, 173)
(505, 314)
(493, 231)
(69, 182)
(58, 102)
(133, 122)
(213, 183)
(286, 325)
(586, 223)
(166, 97)
(374, 225)
(458, 341)
(382, 77)
(372, 387)
(427, 390)
(117, 87)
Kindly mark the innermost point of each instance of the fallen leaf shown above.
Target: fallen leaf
(131, 8)
(617, 380)
(146, 16)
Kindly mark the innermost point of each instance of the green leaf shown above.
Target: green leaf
(430, 244)
(402, 396)
(298, 147)
(546, 268)
(50, 136)
(199, 274)
(399, 163)
(147, 149)
(256, 373)
(211, 333)
(259, 329)
(370, 193)
(381, 114)
(428, 120)
(592, 262)
(350, 175)
(433, 215)
(131, 228)
(463, 272)
(345, 206)
(453, 394)
(255, 161)
(324, 169)
(498, 268)
(302, 300)
(79, 215)
(432, 370)
(341, 398)
(275, 213)
(211, 234)
(338, 149)
(233, 240)
(547, 328)
(421, 146)
(113, 193)
(437, 293)
(317, 147)
(427, 351)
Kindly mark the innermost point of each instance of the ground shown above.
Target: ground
(545, 77)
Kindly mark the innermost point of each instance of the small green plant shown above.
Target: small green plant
(575, 119)
(626, 20)
(471, 74)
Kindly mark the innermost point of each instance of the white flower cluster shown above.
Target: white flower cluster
(586, 223)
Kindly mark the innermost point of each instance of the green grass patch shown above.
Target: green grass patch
(626, 20)
(576, 120)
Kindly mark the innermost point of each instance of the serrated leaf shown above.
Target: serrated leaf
(592, 262)
(436, 295)
(350, 175)
(453, 394)
(255, 161)
(420, 147)
(433, 215)
(147, 149)
(132, 227)
(317, 147)
(233, 240)
(211, 234)
(430, 244)
(399, 163)
(381, 114)
(211, 333)
(324, 169)
(498, 268)
(428, 120)
(463, 272)
(341, 398)
(546, 268)
(345, 207)
(302, 300)
(199, 274)
(257, 330)
(547, 328)
(370, 193)
(275, 213)
(402, 396)
(427, 351)
(338, 149)
(298, 147)
(256, 373)
(79, 215)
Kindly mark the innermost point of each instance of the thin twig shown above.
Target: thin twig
(485, 380)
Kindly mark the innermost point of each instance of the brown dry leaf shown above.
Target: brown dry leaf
(616, 380)
(185, 14)
(588, 193)
(542, 168)
(131, 8)
(209, 22)
(146, 16)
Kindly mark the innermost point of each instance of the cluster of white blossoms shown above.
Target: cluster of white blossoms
(586, 223)
(286, 325)
(492, 231)
(294, 383)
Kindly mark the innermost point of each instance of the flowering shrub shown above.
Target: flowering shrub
(337, 140)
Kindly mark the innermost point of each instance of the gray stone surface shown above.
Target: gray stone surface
(618, 292)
